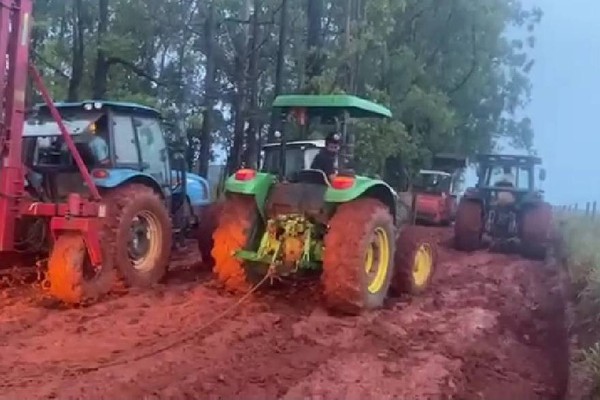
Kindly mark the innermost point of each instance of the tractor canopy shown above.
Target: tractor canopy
(331, 105)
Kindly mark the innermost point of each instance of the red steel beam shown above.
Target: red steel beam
(15, 26)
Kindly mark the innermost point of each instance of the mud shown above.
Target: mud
(491, 327)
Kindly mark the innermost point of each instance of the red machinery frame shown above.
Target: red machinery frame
(77, 214)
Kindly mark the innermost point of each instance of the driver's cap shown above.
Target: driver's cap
(333, 138)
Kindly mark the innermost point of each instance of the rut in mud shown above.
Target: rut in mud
(491, 327)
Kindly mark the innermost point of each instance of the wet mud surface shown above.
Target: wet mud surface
(491, 327)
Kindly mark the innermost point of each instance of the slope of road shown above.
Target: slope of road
(491, 327)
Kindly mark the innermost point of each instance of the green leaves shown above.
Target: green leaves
(454, 73)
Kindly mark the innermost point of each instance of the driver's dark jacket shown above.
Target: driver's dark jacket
(325, 161)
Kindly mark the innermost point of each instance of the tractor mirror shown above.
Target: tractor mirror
(542, 174)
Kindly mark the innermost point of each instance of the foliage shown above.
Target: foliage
(454, 73)
(582, 259)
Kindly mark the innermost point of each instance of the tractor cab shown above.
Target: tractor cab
(299, 156)
(120, 143)
(507, 179)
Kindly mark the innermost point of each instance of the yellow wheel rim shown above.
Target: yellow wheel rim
(423, 264)
(377, 260)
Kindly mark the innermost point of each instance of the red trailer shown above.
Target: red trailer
(75, 223)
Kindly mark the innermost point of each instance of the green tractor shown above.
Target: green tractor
(294, 220)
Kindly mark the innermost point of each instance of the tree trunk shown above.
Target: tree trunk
(77, 64)
(314, 59)
(239, 103)
(100, 81)
(251, 138)
(283, 31)
(209, 92)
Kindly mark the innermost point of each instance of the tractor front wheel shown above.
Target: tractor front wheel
(468, 226)
(140, 234)
(71, 277)
(414, 262)
(235, 231)
(358, 259)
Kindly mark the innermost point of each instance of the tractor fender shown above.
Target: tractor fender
(258, 187)
(198, 190)
(121, 176)
(364, 187)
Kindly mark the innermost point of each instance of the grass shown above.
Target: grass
(580, 250)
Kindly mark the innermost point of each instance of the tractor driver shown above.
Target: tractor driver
(97, 144)
(507, 179)
(325, 160)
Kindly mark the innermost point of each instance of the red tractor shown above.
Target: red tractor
(435, 190)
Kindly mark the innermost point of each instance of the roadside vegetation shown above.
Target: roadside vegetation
(580, 253)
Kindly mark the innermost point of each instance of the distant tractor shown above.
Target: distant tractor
(150, 197)
(505, 208)
(287, 219)
(435, 190)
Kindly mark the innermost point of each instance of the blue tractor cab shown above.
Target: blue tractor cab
(143, 179)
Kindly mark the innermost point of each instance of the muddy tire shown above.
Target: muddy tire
(205, 230)
(235, 231)
(358, 258)
(468, 226)
(414, 263)
(536, 222)
(70, 276)
(139, 233)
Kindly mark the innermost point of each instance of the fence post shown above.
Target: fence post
(594, 210)
(587, 208)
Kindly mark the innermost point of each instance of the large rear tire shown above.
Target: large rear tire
(71, 277)
(415, 262)
(235, 231)
(139, 233)
(536, 222)
(209, 221)
(358, 259)
(468, 226)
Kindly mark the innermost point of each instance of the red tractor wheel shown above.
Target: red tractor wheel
(139, 234)
(468, 226)
(359, 256)
(536, 223)
(71, 277)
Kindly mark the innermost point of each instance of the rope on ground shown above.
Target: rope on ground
(184, 339)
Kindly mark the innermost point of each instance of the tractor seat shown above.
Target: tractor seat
(312, 176)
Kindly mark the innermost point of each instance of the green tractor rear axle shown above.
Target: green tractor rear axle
(290, 243)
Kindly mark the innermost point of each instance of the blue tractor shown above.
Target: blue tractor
(152, 201)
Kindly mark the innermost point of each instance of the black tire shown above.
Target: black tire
(236, 230)
(535, 226)
(415, 263)
(208, 222)
(353, 229)
(127, 204)
(468, 226)
(70, 276)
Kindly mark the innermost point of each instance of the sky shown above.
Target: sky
(565, 106)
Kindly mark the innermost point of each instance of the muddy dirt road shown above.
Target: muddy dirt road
(491, 327)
